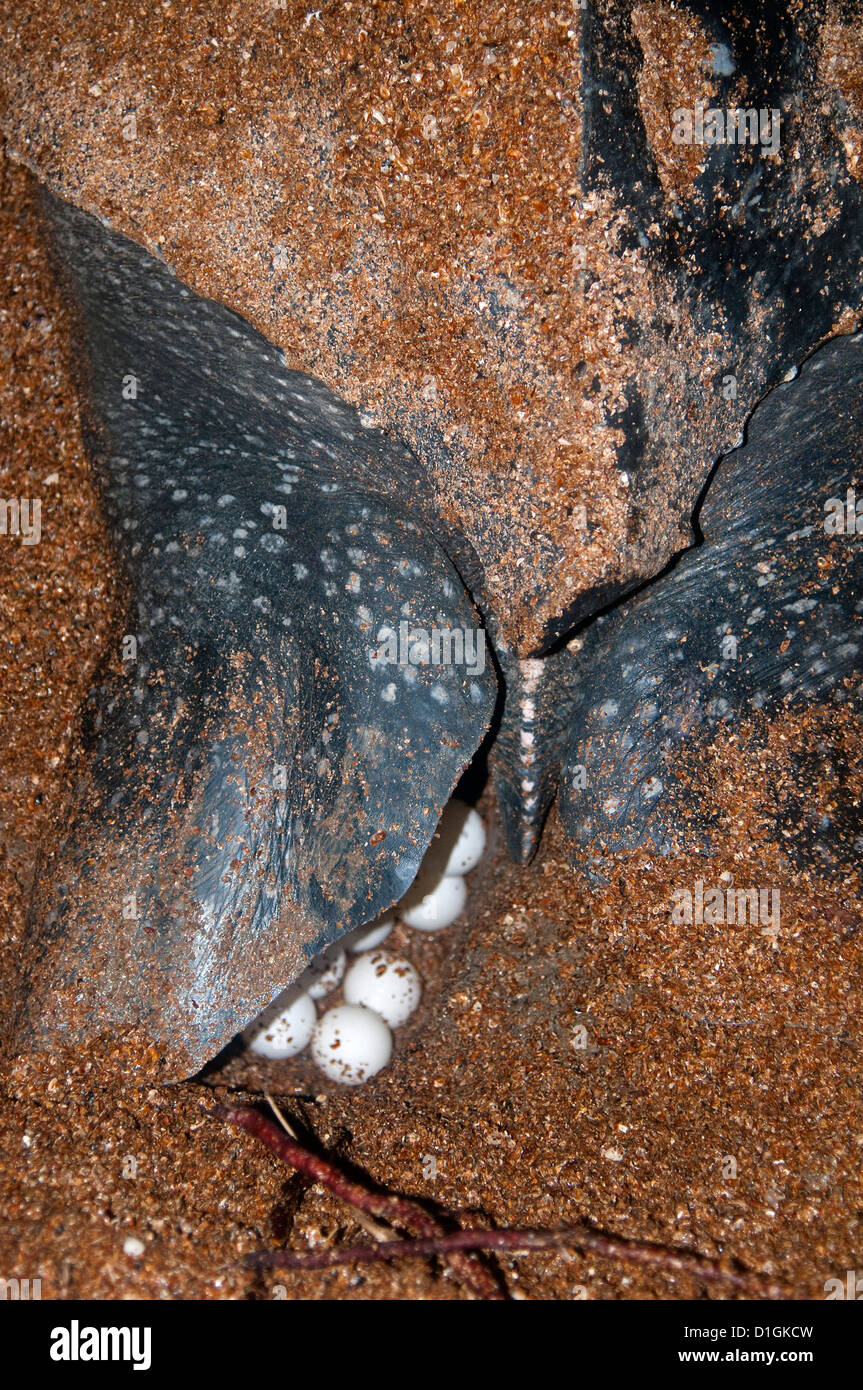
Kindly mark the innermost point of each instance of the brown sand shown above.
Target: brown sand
(703, 1044)
(395, 196)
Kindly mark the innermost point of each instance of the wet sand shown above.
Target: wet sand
(578, 1057)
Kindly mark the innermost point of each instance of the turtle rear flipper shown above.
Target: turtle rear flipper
(766, 614)
(266, 759)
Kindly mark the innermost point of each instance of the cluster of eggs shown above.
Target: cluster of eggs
(353, 1040)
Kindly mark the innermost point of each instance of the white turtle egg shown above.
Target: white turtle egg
(370, 937)
(351, 1043)
(382, 982)
(433, 902)
(324, 973)
(285, 1026)
(459, 840)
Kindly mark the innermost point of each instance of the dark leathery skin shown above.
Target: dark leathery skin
(255, 781)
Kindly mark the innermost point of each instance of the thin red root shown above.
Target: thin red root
(399, 1211)
(514, 1242)
(455, 1246)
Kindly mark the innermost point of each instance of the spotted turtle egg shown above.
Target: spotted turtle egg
(370, 937)
(351, 1043)
(459, 840)
(433, 902)
(389, 986)
(285, 1026)
(324, 973)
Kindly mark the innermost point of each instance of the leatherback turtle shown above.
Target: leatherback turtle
(270, 745)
